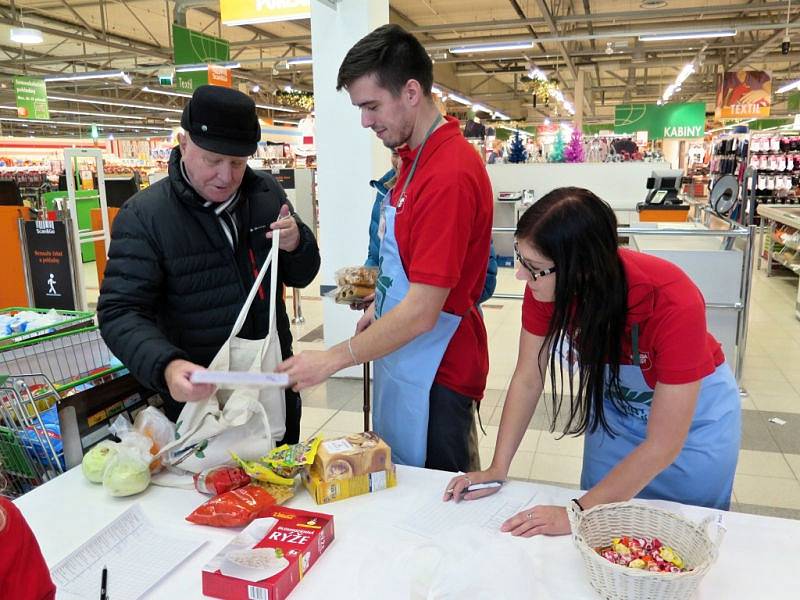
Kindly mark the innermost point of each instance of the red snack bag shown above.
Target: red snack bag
(218, 480)
(234, 508)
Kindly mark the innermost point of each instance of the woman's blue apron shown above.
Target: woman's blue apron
(403, 379)
(704, 470)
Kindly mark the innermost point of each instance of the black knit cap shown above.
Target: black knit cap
(222, 120)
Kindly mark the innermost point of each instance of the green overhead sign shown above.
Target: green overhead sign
(192, 47)
(666, 121)
(31, 98)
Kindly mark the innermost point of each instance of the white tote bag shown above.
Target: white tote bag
(243, 420)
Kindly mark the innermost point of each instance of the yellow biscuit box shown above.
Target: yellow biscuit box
(356, 464)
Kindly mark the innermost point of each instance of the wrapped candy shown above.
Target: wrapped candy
(642, 553)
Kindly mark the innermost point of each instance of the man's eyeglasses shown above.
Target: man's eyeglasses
(534, 273)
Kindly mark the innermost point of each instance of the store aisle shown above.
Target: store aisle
(768, 475)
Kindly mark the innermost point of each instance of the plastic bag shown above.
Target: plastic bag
(127, 473)
(233, 509)
(36, 436)
(218, 480)
(354, 284)
(156, 426)
(134, 440)
(96, 460)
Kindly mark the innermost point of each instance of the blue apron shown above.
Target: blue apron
(703, 472)
(402, 380)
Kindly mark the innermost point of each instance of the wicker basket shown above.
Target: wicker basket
(596, 526)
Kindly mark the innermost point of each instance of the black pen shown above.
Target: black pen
(103, 582)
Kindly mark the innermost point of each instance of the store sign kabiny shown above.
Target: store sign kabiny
(243, 12)
(661, 121)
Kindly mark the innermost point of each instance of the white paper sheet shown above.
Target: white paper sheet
(236, 379)
(433, 517)
(136, 554)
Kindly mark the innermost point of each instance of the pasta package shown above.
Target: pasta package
(268, 558)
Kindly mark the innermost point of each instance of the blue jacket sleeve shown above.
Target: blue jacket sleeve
(491, 276)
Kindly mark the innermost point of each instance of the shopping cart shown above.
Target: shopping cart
(71, 319)
(31, 451)
(34, 376)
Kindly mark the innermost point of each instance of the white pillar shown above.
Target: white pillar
(348, 156)
(579, 100)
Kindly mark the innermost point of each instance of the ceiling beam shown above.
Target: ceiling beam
(139, 47)
(772, 40)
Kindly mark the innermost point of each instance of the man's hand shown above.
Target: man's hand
(367, 319)
(309, 368)
(290, 233)
(364, 303)
(177, 376)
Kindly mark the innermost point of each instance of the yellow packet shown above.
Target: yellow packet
(261, 472)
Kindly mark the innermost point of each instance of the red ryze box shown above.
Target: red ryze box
(269, 557)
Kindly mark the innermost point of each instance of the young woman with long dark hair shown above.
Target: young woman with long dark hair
(621, 336)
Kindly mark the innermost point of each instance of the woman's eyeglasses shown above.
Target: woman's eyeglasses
(535, 274)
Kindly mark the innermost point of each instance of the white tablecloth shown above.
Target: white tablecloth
(759, 556)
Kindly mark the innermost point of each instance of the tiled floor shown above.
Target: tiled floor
(768, 473)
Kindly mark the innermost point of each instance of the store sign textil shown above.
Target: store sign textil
(661, 122)
(191, 48)
(244, 12)
(744, 95)
(31, 98)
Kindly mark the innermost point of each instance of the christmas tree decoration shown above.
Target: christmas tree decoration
(573, 153)
(517, 153)
(557, 154)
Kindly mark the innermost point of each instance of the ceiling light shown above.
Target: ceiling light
(299, 60)
(205, 66)
(480, 108)
(165, 92)
(497, 47)
(686, 35)
(436, 90)
(26, 35)
(256, 88)
(503, 116)
(79, 124)
(459, 99)
(110, 103)
(537, 73)
(89, 75)
(283, 121)
(789, 86)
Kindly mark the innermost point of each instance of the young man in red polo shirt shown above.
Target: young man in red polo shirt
(423, 331)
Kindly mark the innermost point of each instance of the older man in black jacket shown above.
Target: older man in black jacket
(185, 251)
